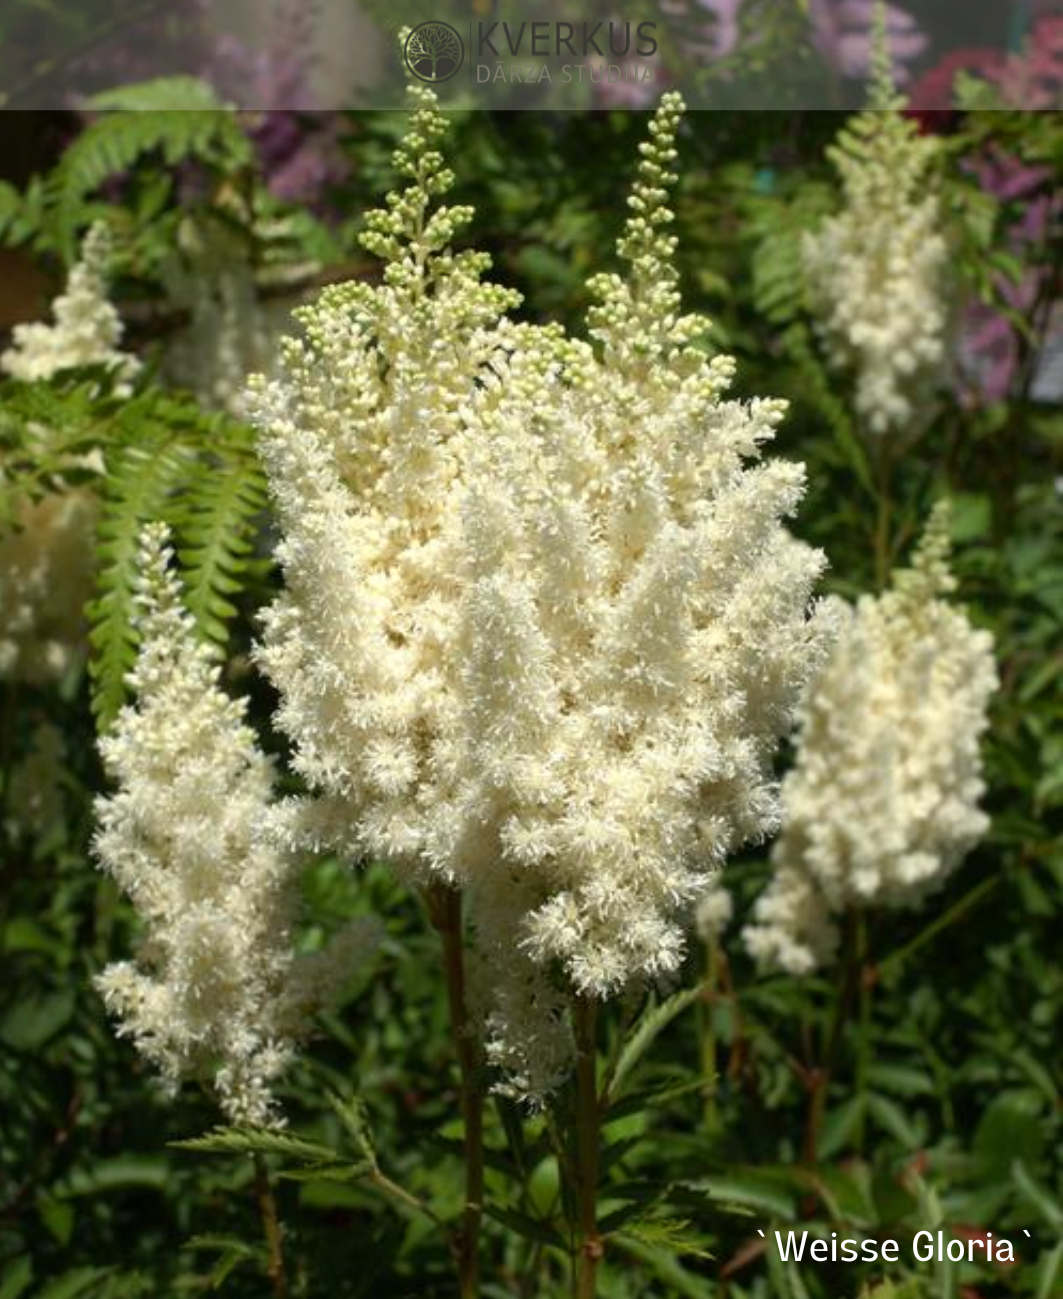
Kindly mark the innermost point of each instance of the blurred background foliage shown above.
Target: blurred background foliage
(763, 1105)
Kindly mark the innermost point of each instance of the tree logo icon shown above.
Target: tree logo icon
(434, 51)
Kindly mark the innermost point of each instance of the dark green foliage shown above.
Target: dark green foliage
(175, 119)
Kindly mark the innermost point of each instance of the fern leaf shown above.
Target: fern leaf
(141, 478)
(10, 209)
(217, 534)
(151, 118)
(160, 95)
(798, 346)
(673, 1234)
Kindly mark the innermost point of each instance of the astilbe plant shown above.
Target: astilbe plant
(215, 990)
(86, 329)
(638, 637)
(876, 270)
(881, 805)
(542, 623)
(46, 558)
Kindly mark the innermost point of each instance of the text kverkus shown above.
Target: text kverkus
(927, 1246)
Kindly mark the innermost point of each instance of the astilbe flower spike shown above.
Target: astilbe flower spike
(881, 805)
(875, 271)
(86, 329)
(191, 837)
(543, 624)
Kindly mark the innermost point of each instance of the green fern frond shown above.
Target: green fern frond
(197, 472)
(10, 208)
(179, 94)
(777, 231)
(217, 532)
(820, 390)
(177, 118)
(48, 432)
(142, 478)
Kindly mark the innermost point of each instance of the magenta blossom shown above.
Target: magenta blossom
(989, 347)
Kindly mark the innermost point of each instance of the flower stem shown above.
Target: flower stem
(445, 910)
(267, 1208)
(589, 1248)
(883, 524)
(708, 1031)
(863, 1041)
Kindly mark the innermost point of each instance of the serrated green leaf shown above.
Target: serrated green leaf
(253, 1141)
(748, 1189)
(653, 1021)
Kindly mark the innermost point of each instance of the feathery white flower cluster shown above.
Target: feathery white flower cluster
(543, 624)
(875, 271)
(46, 557)
(191, 837)
(86, 330)
(45, 580)
(881, 805)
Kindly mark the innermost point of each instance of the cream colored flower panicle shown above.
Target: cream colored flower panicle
(46, 556)
(636, 618)
(190, 835)
(543, 624)
(364, 436)
(86, 329)
(875, 272)
(881, 805)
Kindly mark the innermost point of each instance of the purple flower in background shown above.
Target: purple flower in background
(723, 34)
(989, 350)
(296, 145)
(842, 31)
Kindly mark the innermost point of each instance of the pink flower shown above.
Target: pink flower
(843, 32)
(989, 348)
(934, 90)
(723, 34)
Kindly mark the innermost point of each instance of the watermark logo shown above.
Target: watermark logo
(434, 51)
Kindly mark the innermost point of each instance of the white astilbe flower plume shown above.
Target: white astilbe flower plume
(875, 272)
(86, 329)
(190, 836)
(637, 628)
(46, 557)
(881, 805)
(364, 438)
(543, 624)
